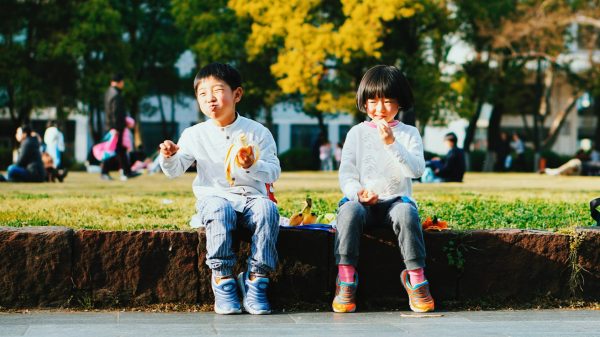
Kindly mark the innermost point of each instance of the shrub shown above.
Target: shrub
(5, 157)
(297, 159)
(477, 157)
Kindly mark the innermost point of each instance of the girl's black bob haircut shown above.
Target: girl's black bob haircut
(384, 81)
(224, 72)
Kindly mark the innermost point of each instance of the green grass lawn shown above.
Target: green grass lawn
(483, 201)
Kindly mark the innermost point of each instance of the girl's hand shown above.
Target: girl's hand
(168, 148)
(367, 197)
(385, 132)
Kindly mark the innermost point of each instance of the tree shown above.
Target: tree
(95, 42)
(317, 45)
(482, 74)
(35, 70)
(154, 42)
(216, 34)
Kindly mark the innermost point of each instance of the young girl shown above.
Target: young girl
(379, 159)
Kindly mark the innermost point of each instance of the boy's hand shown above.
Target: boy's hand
(385, 132)
(367, 197)
(245, 157)
(168, 148)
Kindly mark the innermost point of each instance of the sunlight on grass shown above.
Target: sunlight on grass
(483, 201)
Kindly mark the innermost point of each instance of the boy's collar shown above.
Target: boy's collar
(235, 121)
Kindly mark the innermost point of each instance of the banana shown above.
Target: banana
(296, 219)
(243, 148)
(240, 144)
(309, 219)
(307, 216)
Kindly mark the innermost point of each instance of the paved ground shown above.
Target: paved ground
(475, 323)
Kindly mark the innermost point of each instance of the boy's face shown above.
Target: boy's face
(217, 100)
(382, 108)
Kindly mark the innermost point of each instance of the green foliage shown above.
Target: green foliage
(5, 156)
(156, 202)
(477, 158)
(297, 159)
(454, 253)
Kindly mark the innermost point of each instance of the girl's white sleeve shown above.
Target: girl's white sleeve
(177, 164)
(349, 175)
(410, 157)
(267, 168)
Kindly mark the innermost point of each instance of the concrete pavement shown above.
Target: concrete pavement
(463, 323)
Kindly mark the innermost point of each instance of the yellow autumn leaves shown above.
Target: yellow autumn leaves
(309, 44)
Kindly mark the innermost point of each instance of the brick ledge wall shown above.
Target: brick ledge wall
(56, 266)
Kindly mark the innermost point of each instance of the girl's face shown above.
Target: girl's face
(382, 108)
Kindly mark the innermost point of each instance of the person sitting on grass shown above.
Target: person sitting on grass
(228, 195)
(379, 160)
(29, 166)
(582, 163)
(451, 168)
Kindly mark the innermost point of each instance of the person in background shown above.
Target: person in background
(28, 166)
(519, 147)
(503, 158)
(325, 155)
(451, 168)
(55, 143)
(53, 154)
(114, 107)
(337, 154)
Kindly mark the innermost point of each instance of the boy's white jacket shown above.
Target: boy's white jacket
(384, 169)
(207, 144)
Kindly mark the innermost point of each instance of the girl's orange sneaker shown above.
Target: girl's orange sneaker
(345, 295)
(419, 298)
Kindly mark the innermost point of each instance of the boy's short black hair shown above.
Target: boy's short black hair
(26, 129)
(222, 71)
(117, 77)
(451, 136)
(384, 81)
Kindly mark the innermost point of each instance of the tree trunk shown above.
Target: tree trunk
(470, 134)
(269, 118)
(493, 135)
(597, 112)
(558, 122)
(173, 128)
(163, 117)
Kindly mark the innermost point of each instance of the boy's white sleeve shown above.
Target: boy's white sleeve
(349, 175)
(411, 157)
(177, 164)
(267, 168)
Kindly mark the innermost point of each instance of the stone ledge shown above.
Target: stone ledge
(135, 267)
(53, 266)
(35, 266)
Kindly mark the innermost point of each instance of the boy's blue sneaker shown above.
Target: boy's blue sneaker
(226, 297)
(254, 294)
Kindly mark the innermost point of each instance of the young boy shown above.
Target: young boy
(230, 195)
(379, 159)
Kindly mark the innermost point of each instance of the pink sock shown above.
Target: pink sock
(346, 272)
(416, 276)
